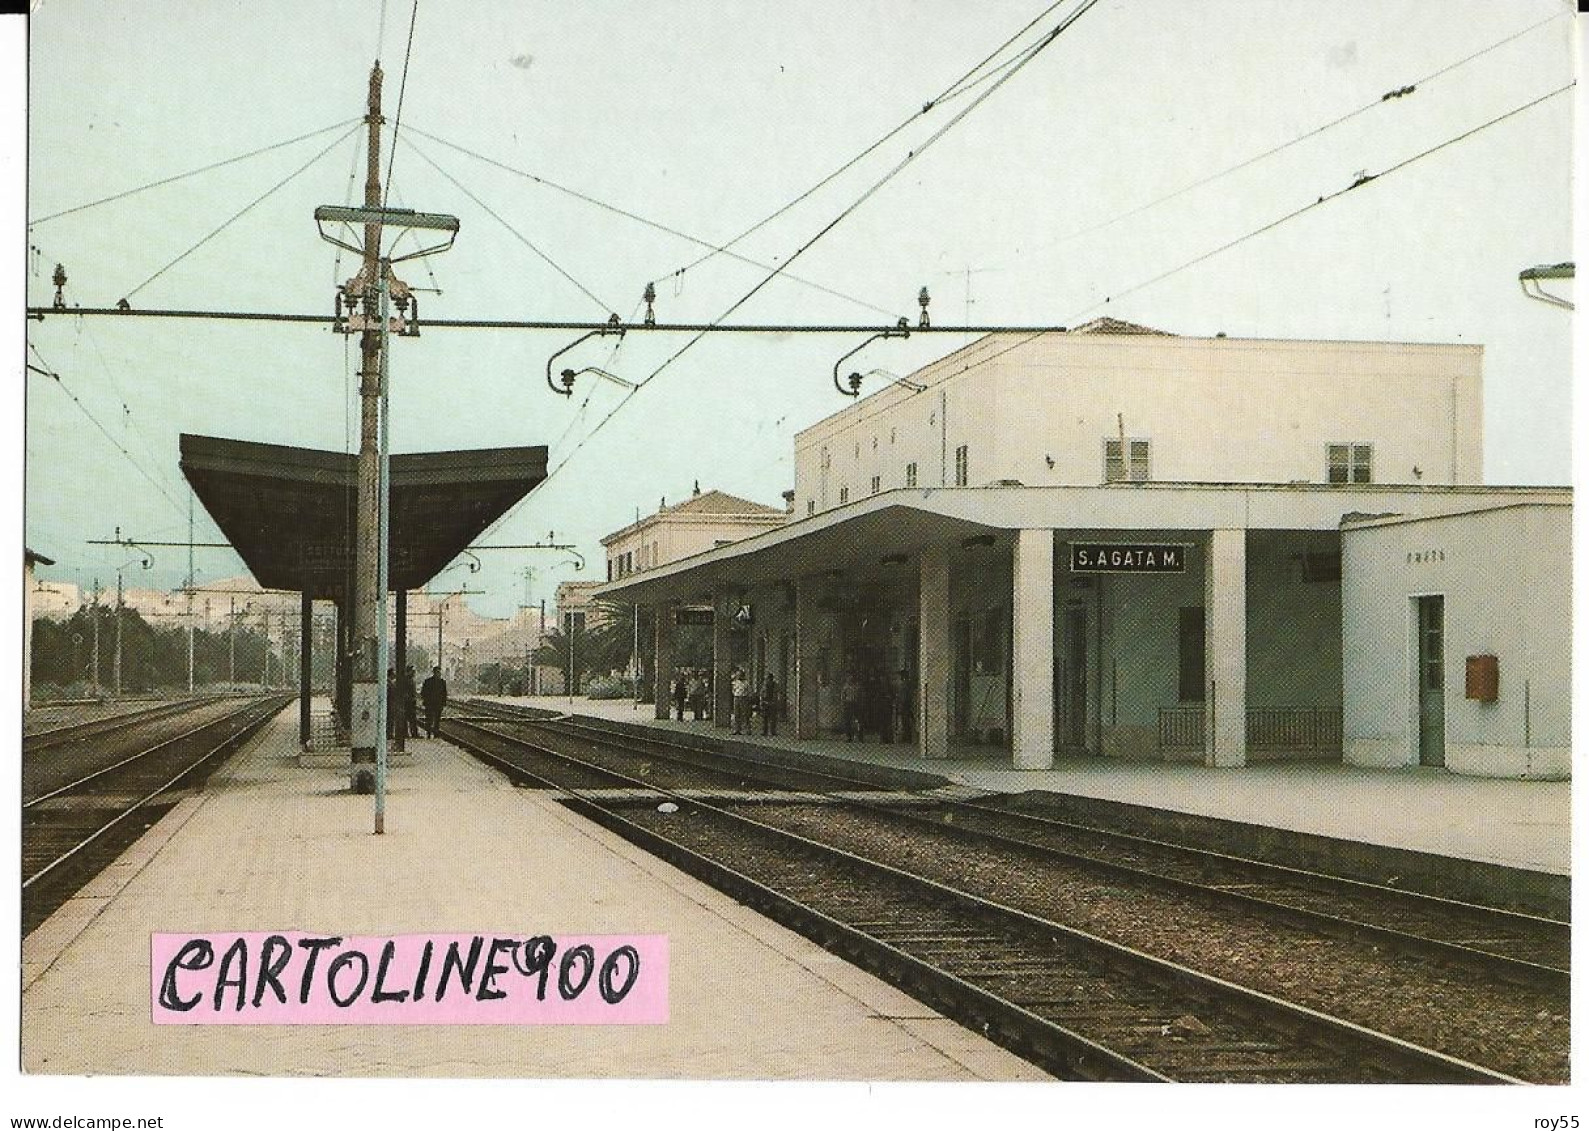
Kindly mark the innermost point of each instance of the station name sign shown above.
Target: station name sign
(1127, 557)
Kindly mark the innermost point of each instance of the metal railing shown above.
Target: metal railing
(1268, 728)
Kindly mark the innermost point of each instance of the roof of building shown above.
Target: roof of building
(287, 511)
(32, 556)
(902, 522)
(1108, 325)
(714, 503)
(720, 502)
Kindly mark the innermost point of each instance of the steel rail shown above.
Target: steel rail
(164, 743)
(1445, 1068)
(54, 736)
(264, 713)
(1537, 974)
(1037, 1037)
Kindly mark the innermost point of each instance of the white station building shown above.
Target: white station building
(1122, 543)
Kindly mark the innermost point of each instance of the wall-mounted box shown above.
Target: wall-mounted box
(1484, 678)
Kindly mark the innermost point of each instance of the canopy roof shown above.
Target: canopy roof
(289, 511)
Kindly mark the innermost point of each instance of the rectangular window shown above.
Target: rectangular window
(1192, 655)
(827, 459)
(877, 484)
(910, 475)
(962, 466)
(1127, 464)
(811, 506)
(1351, 463)
(844, 495)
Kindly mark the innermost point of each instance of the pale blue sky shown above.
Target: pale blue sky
(705, 117)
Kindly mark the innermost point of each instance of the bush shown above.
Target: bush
(609, 687)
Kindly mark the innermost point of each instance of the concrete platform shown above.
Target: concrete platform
(1518, 824)
(272, 846)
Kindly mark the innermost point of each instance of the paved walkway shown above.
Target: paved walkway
(1522, 824)
(271, 846)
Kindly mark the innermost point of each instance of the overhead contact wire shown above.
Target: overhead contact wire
(1027, 56)
(243, 211)
(191, 173)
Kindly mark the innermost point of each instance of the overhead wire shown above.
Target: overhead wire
(1272, 224)
(402, 89)
(518, 235)
(1025, 57)
(1390, 96)
(638, 218)
(45, 369)
(950, 92)
(190, 173)
(242, 212)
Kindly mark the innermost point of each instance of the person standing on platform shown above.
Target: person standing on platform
(905, 708)
(739, 687)
(434, 695)
(769, 706)
(697, 695)
(410, 702)
(681, 692)
(850, 700)
(394, 705)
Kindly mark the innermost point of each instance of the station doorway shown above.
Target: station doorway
(1430, 646)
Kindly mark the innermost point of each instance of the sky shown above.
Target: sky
(706, 118)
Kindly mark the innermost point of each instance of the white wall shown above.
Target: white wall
(1214, 410)
(1505, 574)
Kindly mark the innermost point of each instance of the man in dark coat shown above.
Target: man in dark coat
(410, 702)
(434, 695)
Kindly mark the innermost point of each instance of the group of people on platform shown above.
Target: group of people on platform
(874, 702)
(692, 689)
(402, 698)
(878, 702)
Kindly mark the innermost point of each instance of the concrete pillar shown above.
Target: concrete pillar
(305, 664)
(722, 664)
(662, 681)
(1032, 652)
(935, 661)
(27, 632)
(1225, 648)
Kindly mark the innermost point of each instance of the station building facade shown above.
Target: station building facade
(1121, 543)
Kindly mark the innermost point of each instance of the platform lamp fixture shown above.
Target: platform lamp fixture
(901, 330)
(374, 286)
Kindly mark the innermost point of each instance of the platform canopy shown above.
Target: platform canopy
(289, 511)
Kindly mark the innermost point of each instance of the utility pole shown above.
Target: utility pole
(117, 667)
(367, 628)
(376, 288)
(190, 591)
(231, 640)
(96, 637)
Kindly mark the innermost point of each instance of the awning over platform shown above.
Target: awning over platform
(289, 511)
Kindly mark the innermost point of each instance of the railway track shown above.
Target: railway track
(74, 827)
(1076, 1003)
(49, 736)
(1526, 949)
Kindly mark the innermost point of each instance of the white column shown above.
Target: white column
(934, 661)
(1225, 648)
(1032, 652)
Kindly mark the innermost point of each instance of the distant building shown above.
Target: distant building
(55, 600)
(29, 560)
(1115, 542)
(701, 522)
